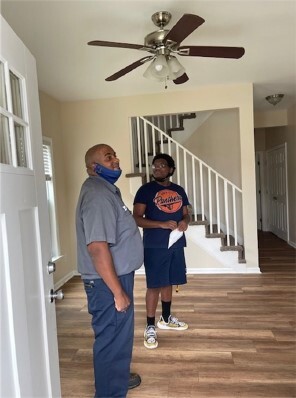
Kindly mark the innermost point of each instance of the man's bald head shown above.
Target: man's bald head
(101, 154)
(93, 153)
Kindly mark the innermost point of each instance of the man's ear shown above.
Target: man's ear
(90, 171)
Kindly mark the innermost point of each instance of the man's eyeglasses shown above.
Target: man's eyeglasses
(159, 166)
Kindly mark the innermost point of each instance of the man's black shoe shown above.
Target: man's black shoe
(134, 380)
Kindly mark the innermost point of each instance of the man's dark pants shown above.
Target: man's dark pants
(114, 333)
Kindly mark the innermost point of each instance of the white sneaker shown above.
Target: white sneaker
(150, 337)
(173, 323)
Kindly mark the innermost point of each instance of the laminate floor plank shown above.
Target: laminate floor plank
(241, 340)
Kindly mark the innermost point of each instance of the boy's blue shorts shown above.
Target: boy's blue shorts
(164, 267)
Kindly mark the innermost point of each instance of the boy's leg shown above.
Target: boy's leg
(166, 293)
(151, 301)
(177, 277)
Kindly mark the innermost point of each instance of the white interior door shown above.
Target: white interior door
(258, 157)
(277, 191)
(29, 353)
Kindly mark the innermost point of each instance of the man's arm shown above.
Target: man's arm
(103, 263)
(138, 213)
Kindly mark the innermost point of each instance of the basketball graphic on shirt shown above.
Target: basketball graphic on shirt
(168, 201)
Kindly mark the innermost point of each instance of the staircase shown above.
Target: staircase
(226, 244)
(216, 203)
(180, 122)
(168, 124)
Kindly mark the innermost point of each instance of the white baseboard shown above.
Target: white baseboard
(65, 279)
(196, 271)
(190, 271)
(253, 270)
(293, 244)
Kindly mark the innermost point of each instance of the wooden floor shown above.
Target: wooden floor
(241, 340)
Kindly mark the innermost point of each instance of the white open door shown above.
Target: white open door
(258, 157)
(277, 191)
(29, 353)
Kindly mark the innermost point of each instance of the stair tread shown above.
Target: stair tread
(215, 235)
(205, 222)
(176, 129)
(188, 116)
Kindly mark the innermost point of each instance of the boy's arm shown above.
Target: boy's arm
(143, 222)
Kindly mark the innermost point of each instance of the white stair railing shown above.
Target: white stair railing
(214, 199)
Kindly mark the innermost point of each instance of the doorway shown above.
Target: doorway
(277, 197)
(272, 191)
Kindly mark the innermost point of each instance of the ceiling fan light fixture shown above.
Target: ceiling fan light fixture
(151, 73)
(274, 99)
(164, 68)
(158, 70)
(160, 66)
(175, 68)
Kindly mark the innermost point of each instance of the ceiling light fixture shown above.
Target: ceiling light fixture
(274, 99)
(163, 68)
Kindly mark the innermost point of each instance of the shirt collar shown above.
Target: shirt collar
(101, 180)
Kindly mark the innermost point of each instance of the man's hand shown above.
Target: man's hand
(122, 301)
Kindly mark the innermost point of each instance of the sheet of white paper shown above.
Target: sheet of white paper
(174, 236)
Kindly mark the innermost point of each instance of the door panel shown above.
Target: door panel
(28, 237)
(29, 336)
(258, 157)
(9, 387)
(276, 191)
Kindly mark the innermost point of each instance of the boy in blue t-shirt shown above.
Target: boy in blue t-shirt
(160, 207)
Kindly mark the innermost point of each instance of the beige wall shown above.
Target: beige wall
(212, 141)
(271, 118)
(89, 122)
(268, 138)
(51, 127)
(260, 140)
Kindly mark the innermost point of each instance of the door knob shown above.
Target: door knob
(58, 295)
(274, 198)
(51, 267)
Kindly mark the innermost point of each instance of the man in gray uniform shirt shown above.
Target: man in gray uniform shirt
(110, 249)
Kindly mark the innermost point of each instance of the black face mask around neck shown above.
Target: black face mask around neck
(162, 179)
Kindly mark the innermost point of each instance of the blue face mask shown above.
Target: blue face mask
(109, 175)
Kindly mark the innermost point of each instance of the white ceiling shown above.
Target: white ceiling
(56, 32)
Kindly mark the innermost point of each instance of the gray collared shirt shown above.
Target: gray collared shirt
(101, 216)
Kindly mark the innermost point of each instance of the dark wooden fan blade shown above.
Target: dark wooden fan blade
(209, 51)
(182, 79)
(101, 43)
(128, 69)
(186, 25)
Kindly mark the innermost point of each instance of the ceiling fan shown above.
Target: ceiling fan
(164, 44)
